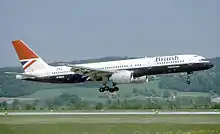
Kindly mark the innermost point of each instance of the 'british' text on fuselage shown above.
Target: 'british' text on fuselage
(167, 58)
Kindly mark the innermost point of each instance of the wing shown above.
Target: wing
(93, 74)
(21, 74)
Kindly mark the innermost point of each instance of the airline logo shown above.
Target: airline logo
(23, 51)
(27, 63)
(26, 56)
(167, 58)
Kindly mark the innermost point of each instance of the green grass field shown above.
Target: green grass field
(119, 110)
(91, 93)
(111, 124)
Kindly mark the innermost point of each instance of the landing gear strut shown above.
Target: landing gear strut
(188, 78)
(110, 89)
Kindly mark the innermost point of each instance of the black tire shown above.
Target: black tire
(101, 89)
(116, 88)
(111, 90)
(188, 82)
(106, 88)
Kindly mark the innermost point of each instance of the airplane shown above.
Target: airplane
(116, 72)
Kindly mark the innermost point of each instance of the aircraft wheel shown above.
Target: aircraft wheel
(111, 90)
(116, 88)
(188, 82)
(188, 78)
(101, 89)
(106, 88)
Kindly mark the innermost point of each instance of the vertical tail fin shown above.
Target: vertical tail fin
(29, 60)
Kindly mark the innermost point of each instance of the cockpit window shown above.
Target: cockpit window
(203, 60)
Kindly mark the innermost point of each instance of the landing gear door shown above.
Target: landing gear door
(149, 64)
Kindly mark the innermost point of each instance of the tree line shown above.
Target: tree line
(73, 102)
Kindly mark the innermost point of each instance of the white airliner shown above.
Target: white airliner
(116, 72)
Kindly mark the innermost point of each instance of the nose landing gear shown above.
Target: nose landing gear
(188, 81)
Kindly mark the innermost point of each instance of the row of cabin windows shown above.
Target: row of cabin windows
(122, 66)
(168, 62)
(61, 72)
(114, 67)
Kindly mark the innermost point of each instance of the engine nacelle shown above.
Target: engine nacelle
(125, 76)
(142, 79)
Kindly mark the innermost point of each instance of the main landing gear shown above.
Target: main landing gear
(188, 78)
(109, 89)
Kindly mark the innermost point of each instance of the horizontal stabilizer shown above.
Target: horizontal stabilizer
(21, 74)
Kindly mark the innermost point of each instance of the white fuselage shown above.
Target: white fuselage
(145, 62)
(130, 69)
(52, 71)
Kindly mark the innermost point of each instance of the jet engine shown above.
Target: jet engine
(125, 76)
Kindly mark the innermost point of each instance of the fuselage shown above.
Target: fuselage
(140, 67)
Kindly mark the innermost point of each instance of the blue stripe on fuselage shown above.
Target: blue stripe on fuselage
(69, 78)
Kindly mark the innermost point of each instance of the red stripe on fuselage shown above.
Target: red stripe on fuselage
(29, 64)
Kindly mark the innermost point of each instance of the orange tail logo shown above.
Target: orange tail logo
(23, 51)
(25, 54)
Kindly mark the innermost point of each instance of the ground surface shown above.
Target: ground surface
(111, 124)
(90, 93)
